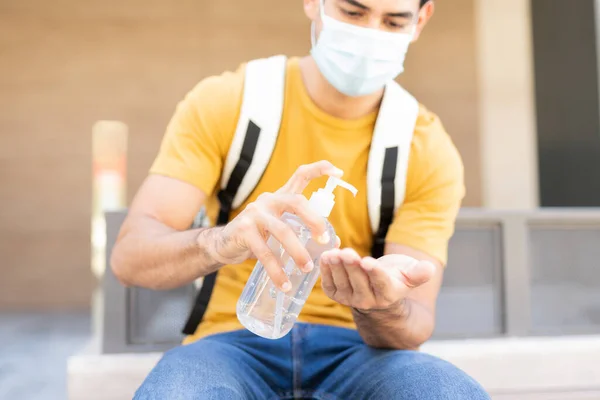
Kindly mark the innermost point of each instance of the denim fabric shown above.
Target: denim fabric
(312, 362)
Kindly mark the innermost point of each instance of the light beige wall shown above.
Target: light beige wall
(441, 71)
(507, 106)
(65, 64)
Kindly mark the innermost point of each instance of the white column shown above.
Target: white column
(507, 104)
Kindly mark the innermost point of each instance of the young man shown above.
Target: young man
(359, 332)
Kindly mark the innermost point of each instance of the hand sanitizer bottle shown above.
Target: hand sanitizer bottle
(263, 308)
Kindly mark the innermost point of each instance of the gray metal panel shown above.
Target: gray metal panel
(157, 317)
(470, 301)
(114, 301)
(565, 295)
(550, 215)
(517, 310)
(486, 289)
(514, 271)
(134, 319)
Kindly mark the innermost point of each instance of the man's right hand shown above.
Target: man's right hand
(246, 235)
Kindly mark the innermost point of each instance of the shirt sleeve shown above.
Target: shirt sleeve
(200, 132)
(434, 191)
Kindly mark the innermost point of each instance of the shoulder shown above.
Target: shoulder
(219, 97)
(209, 111)
(432, 144)
(434, 190)
(431, 137)
(217, 93)
(228, 87)
(434, 158)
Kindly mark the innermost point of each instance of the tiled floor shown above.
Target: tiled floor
(33, 352)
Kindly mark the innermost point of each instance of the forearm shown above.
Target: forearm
(158, 257)
(404, 327)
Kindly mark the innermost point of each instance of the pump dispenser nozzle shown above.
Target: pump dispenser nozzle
(323, 200)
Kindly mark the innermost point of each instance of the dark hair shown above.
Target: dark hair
(423, 2)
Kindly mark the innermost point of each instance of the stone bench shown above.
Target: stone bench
(551, 368)
(506, 288)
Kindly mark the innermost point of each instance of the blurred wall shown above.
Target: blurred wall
(65, 64)
(509, 173)
(442, 72)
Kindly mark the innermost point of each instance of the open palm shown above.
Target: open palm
(368, 284)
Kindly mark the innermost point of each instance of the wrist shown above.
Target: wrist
(209, 241)
(400, 309)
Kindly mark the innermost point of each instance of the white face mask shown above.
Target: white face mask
(358, 61)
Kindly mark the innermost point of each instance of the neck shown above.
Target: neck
(330, 100)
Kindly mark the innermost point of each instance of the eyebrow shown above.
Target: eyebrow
(405, 14)
(356, 4)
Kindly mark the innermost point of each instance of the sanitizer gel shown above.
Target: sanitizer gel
(263, 308)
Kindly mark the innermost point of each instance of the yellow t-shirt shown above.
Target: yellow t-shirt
(199, 136)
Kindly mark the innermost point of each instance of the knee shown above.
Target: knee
(190, 372)
(414, 375)
(186, 361)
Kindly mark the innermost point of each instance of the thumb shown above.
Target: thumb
(417, 273)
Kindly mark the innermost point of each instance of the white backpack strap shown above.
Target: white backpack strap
(256, 132)
(250, 152)
(388, 160)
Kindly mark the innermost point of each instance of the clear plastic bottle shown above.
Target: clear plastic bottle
(263, 308)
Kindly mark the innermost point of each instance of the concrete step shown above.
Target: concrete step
(556, 368)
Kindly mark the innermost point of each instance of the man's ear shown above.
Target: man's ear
(425, 14)
(311, 9)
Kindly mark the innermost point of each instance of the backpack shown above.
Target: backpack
(254, 141)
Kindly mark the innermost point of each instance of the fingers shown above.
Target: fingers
(305, 173)
(362, 294)
(380, 282)
(412, 273)
(288, 198)
(326, 276)
(344, 280)
(368, 263)
(289, 241)
(409, 270)
(418, 273)
(349, 257)
(298, 205)
(340, 283)
(270, 261)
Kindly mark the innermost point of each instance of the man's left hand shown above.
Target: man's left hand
(367, 284)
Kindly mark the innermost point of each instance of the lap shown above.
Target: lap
(377, 374)
(212, 368)
(316, 362)
(336, 364)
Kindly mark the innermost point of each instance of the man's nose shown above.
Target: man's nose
(374, 22)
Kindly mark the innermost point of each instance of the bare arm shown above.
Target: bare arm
(154, 248)
(392, 298)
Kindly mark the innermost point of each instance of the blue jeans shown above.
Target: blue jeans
(312, 362)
